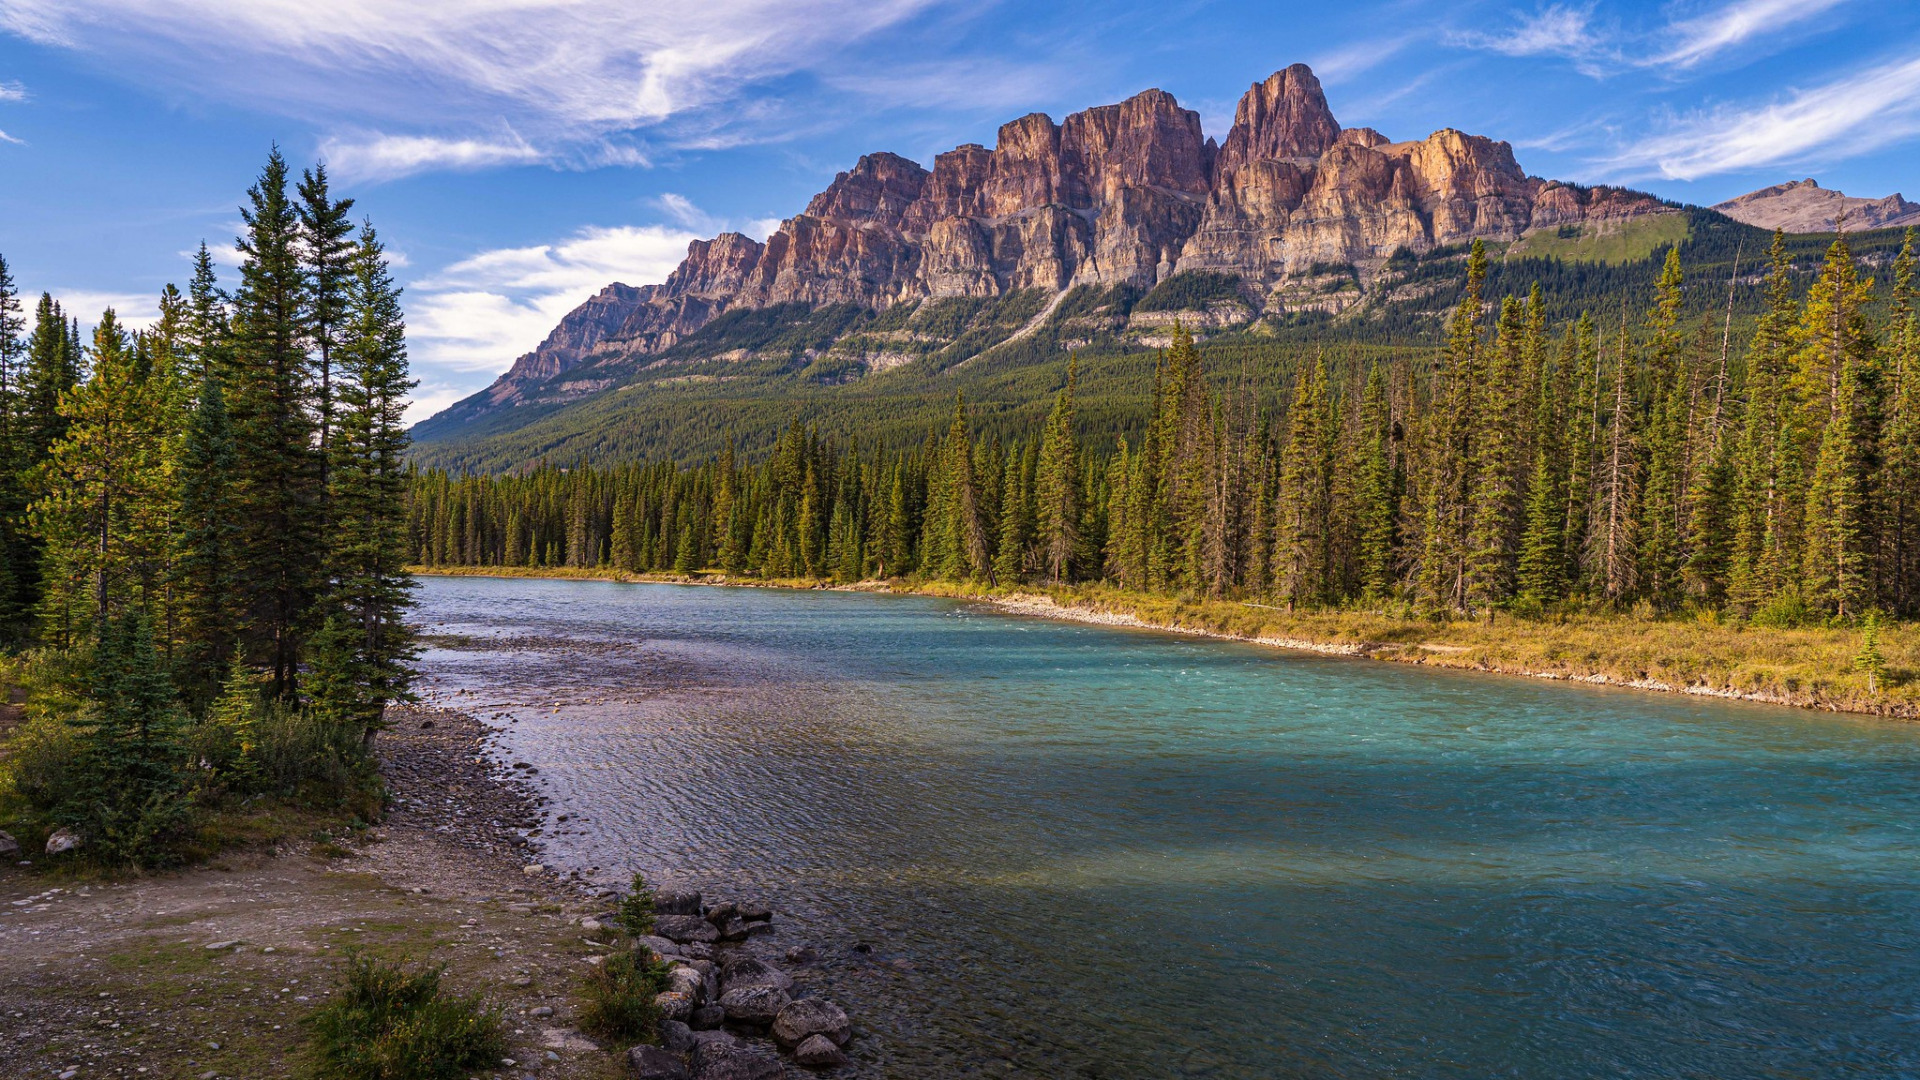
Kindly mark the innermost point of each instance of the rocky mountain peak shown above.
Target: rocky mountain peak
(1284, 117)
(1805, 206)
(1121, 194)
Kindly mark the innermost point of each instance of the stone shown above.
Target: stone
(720, 911)
(673, 1006)
(542, 1011)
(802, 954)
(676, 1036)
(819, 1052)
(63, 841)
(676, 902)
(750, 971)
(657, 945)
(755, 1006)
(9, 847)
(533, 869)
(754, 911)
(735, 1061)
(685, 929)
(806, 1017)
(734, 928)
(685, 980)
(707, 1018)
(592, 926)
(653, 1063)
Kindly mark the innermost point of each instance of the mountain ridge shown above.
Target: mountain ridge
(1803, 206)
(1130, 194)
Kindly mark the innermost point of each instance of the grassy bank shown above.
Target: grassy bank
(1809, 667)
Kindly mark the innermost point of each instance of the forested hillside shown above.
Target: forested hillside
(1611, 459)
(744, 377)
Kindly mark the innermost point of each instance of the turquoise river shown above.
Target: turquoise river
(1029, 848)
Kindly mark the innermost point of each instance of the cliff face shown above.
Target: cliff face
(1804, 206)
(1120, 194)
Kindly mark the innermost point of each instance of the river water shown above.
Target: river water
(1080, 851)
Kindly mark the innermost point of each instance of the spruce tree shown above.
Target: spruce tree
(203, 566)
(1056, 495)
(270, 401)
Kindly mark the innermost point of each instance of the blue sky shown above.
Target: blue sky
(518, 154)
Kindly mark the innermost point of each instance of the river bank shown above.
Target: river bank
(1808, 667)
(207, 972)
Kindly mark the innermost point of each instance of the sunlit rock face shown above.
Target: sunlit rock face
(1119, 194)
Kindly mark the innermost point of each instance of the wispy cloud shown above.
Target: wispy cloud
(387, 157)
(12, 91)
(479, 313)
(1564, 30)
(1704, 36)
(1856, 113)
(436, 82)
(6, 138)
(1357, 58)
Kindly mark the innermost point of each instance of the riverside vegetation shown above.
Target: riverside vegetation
(1637, 500)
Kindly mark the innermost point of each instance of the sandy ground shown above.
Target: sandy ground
(208, 973)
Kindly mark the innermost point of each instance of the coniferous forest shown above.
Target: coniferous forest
(202, 534)
(1632, 460)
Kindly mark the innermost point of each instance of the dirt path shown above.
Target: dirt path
(207, 973)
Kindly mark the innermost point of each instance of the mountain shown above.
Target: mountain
(1290, 214)
(1802, 206)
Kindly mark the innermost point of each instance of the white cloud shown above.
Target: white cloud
(131, 310)
(1357, 58)
(1859, 112)
(1705, 35)
(682, 211)
(1553, 30)
(467, 322)
(6, 138)
(386, 157)
(12, 91)
(438, 81)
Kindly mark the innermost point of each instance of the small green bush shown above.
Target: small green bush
(390, 1021)
(41, 759)
(636, 911)
(618, 997)
(1785, 612)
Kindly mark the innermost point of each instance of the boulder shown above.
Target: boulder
(819, 1052)
(802, 1019)
(659, 946)
(653, 1063)
(802, 954)
(9, 847)
(721, 910)
(685, 929)
(676, 902)
(673, 1006)
(748, 971)
(707, 1018)
(734, 928)
(685, 980)
(676, 1036)
(755, 1006)
(735, 1061)
(754, 911)
(62, 841)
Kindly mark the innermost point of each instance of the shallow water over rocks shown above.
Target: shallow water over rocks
(1026, 848)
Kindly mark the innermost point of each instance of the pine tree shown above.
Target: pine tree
(1542, 564)
(1663, 441)
(1016, 530)
(369, 584)
(329, 254)
(1452, 447)
(1900, 486)
(203, 564)
(125, 794)
(269, 400)
(1494, 504)
(1302, 510)
(1378, 511)
(14, 552)
(1869, 660)
(1839, 378)
(1056, 495)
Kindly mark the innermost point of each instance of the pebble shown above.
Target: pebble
(218, 945)
(532, 869)
(544, 1010)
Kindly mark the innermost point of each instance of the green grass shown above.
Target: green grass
(394, 1021)
(1605, 242)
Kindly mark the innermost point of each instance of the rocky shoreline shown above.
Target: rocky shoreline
(732, 1010)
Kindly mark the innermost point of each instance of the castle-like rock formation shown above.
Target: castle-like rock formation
(1128, 193)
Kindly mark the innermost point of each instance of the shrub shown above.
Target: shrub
(390, 1021)
(619, 997)
(41, 758)
(636, 911)
(1785, 612)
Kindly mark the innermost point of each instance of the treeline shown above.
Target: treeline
(1614, 461)
(202, 530)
